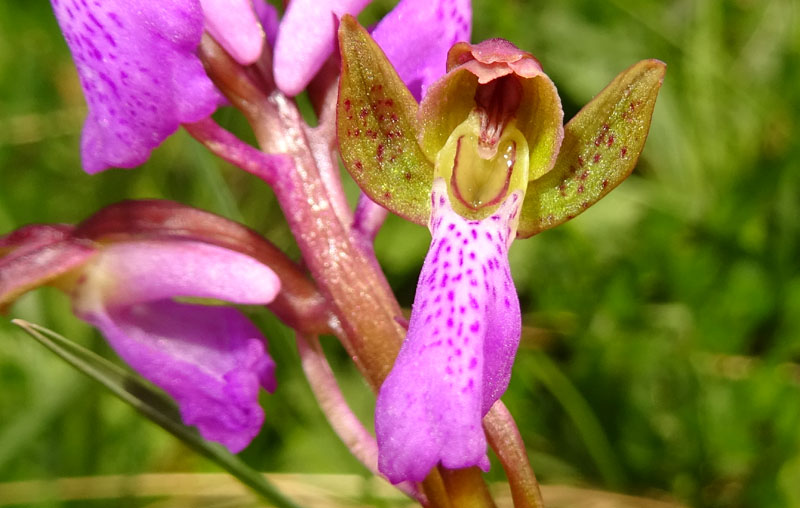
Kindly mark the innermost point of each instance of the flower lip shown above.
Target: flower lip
(456, 360)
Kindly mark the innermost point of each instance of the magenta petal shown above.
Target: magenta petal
(233, 23)
(417, 35)
(141, 77)
(306, 38)
(211, 360)
(457, 357)
(154, 270)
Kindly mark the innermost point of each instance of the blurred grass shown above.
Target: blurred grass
(663, 332)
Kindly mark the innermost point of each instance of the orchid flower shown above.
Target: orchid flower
(210, 359)
(139, 70)
(478, 162)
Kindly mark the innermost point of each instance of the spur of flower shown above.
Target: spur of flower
(484, 159)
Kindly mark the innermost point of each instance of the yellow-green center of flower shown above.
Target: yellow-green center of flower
(478, 179)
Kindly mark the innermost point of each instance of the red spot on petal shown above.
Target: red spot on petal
(580, 161)
(623, 151)
(379, 152)
(599, 139)
(584, 175)
(596, 158)
(358, 165)
(580, 189)
(604, 183)
(347, 105)
(610, 140)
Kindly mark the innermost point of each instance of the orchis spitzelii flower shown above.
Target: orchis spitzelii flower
(479, 164)
(210, 359)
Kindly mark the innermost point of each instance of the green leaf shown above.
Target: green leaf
(154, 405)
(377, 130)
(601, 146)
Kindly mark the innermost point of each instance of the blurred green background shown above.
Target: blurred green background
(662, 341)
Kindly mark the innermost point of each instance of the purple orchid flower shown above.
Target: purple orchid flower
(480, 162)
(415, 35)
(484, 129)
(210, 359)
(466, 323)
(139, 70)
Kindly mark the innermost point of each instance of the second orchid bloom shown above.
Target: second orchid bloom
(480, 161)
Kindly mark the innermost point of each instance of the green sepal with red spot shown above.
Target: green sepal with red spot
(377, 128)
(601, 146)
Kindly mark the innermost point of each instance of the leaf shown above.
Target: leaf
(377, 130)
(153, 404)
(601, 146)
